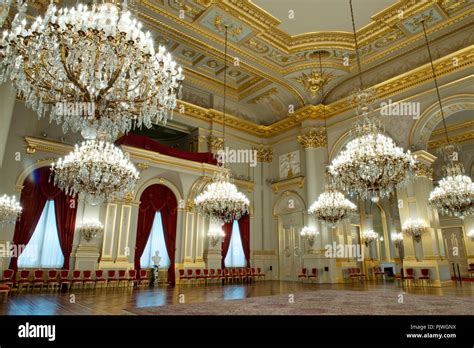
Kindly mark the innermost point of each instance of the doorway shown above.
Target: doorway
(455, 251)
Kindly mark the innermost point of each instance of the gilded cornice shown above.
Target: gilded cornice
(297, 181)
(316, 137)
(456, 138)
(264, 154)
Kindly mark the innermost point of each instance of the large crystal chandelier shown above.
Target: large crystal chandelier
(221, 200)
(98, 56)
(96, 171)
(454, 195)
(371, 165)
(331, 206)
(10, 209)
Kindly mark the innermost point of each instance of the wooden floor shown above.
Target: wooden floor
(115, 301)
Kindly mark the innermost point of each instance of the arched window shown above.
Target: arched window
(156, 242)
(43, 250)
(235, 256)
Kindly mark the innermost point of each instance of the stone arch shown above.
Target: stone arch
(162, 181)
(423, 127)
(28, 170)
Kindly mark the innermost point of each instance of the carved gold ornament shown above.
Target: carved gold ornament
(264, 154)
(314, 138)
(313, 81)
(215, 143)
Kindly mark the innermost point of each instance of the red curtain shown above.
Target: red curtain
(244, 227)
(37, 189)
(157, 198)
(227, 228)
(146, 143)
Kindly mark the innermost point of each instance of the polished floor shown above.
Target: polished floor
(118, 301)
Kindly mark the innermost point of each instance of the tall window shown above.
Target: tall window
(235, 256)
(43, 250)
(156, 242)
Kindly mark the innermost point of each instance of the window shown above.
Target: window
(235, 256)
(43, 250)
(156, 242)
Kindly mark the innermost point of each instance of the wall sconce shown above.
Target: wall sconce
(397, 239)
(369, 237)
(470, 234)
(414, 228)
(215, 232)
(90, 229)
(309, 233)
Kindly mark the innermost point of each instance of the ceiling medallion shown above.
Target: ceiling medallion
(313, 81)
(98, 56)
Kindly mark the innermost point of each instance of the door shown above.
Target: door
(455, 251)
(291, 252)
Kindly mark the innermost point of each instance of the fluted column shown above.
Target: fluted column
(413, 203)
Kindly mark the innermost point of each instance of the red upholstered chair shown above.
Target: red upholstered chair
(38, 279)
(261, 274)
(24, 280)
(87, 278)
(303, 275)
(76, 278)
(144, 279)
(52, 280)
(360, 274)
(212, 274)
(425, 276)
(248, 274)
(220, 275)
(132, 277)
(111, 278)
(314, 274)
(199, 275)
(254, 274)
(242, 275)
(123, 279)
(378, 272)
(206, 275)
(353, 273)
(8, 277)
(227, 275)
(182, 276)
(410, 275)
(99, 278)
(190, 275)
(64, 278)
(4, 290)
(471, 269)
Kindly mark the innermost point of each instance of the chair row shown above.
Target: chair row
(409, 276)
(64, 278)
(305, 276)
(225, 275)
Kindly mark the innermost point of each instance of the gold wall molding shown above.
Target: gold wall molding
(215, 143)
(264, 154)
(316, 137)
(297, 181)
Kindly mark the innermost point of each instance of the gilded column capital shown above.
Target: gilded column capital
(264, 153)
(316, 137)
(423, 169)
(215, 143)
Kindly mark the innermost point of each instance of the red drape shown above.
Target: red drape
(227, 228)
(157, 198)
(36, 191)
(244, 227)
(146, 143)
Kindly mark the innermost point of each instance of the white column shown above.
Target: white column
(7, 102)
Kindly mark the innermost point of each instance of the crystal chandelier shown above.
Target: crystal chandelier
(454, 195)
(369, 236)
(221, 199)
(10, 209)
(215, 232)
(96, 170)
(309, 233)
(90, 229)
(98, 56)
(331, 206)
(371, 165)
(4, 9)
(414, 228)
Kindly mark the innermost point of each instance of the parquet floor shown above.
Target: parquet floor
(115, 301)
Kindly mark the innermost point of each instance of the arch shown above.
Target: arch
(161, 181)
(421, 130)
(339, 144)
(28, 170)
(299, 204)
(196, 188)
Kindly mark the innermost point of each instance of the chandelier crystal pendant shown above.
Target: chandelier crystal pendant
(454, 195)
(90, 66)
(414, 228)
(10, 210)
(96, 170)
(371, 165)
(221, 200)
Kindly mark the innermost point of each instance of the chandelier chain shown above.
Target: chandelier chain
(356, 46)
(225, 86)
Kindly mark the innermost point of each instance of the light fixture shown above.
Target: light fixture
(470, 234)
(369, 236)
(331, 206)
(309, 233)
(10, 210)
(215, 232)
(90, 229)
(96, 170)
(96, 55)
(454, 195)
(371, 165)
(4, 9)
(414, 228)
(221, 199)
(397, 237)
